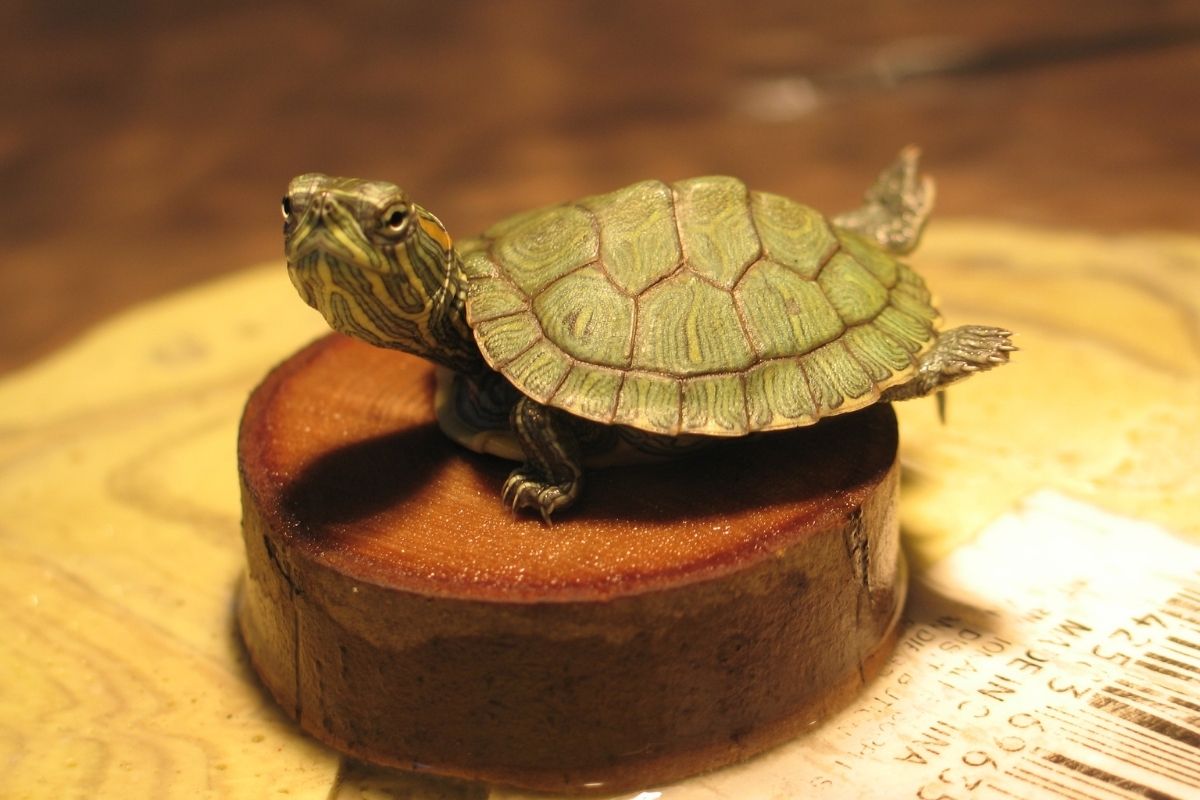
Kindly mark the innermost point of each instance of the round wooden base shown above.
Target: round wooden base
(681, 616)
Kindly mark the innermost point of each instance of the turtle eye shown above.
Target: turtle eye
(286, 205)
(395, 218)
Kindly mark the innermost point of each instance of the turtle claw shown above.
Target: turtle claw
(514, 488)
(525, 489)
(512, 501)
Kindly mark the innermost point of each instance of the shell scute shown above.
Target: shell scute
(590, 392)
(714, 402)
(492, 298)
(639, 243)
(687, 326)
(868, 254)
(879, 354)
(786, 315)
(546, 246)
(475, 260)
(509, 224)
(793, 234)
(716, 230)
(539, 370)
(777, 396)
(586, 316)
(835, 377)
(914, 306)
(505, 338)
(913, 334)
(852, 289)
(912, 296)
(650, 402)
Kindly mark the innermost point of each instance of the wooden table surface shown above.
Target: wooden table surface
(146, 149)
(145, 145)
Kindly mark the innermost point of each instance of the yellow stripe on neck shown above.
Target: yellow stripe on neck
(435, 230)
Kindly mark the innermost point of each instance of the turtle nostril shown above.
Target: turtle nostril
(323, 203)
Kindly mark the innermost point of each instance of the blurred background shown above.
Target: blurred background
(145, 146)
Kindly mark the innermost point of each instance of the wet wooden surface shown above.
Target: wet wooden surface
(145, 146)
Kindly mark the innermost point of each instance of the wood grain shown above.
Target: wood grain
(120, 547)
(682, 616)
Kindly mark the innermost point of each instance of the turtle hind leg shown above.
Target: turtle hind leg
(552, 475)
(958, 353)
(896, 208)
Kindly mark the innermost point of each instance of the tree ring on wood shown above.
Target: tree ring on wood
(683, 616)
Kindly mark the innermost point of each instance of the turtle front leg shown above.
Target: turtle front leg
(958, 353)
(552, 474)
(896, 208)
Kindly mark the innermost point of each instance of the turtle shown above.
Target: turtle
(642, 323)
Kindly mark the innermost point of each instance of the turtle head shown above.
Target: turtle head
(376, 265)
(347, 225)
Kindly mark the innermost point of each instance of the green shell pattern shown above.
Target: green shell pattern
(697, 307)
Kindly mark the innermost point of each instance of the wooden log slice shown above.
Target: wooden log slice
(682, 616)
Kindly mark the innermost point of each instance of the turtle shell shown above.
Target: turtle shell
(696, 307)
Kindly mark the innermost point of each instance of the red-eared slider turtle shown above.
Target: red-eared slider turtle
(641, 322)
